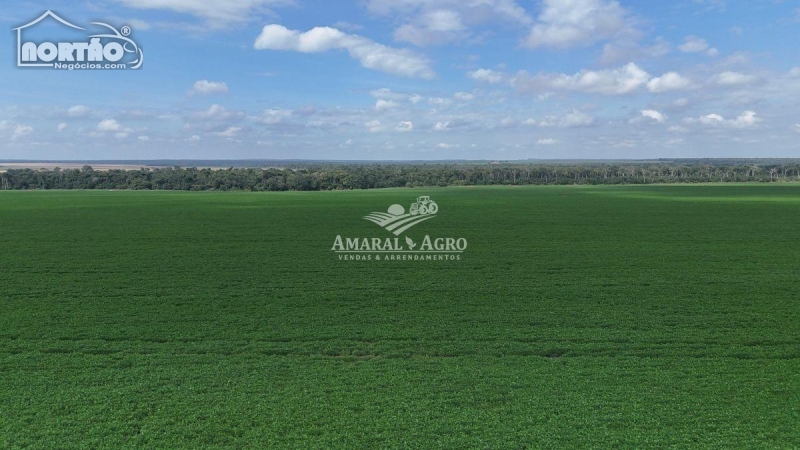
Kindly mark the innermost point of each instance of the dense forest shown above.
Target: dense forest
(317, 177)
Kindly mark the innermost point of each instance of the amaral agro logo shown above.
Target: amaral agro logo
(109, 49)
(397, 221)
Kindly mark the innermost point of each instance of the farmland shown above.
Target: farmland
(627, 316)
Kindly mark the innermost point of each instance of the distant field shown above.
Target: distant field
(6, 166)
(629, 317)
(50, 166)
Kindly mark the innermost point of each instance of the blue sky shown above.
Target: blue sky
(413, 80)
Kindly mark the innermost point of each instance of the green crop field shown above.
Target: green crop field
(627, 317)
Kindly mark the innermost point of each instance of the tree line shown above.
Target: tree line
(322, 177)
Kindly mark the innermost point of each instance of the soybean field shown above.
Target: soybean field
(576, 316)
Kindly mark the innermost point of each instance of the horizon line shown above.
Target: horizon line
(170, 160)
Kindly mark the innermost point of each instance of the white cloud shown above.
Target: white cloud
(405, 126)
(655, 115)
(573, 119)
(544, 96)
(671, 81)
(747, 119)
(447, 146)
(693, 44)
(797, 127)
(477, 10)
(205, 87)
(342, 25)
(577, 119)
(79, 111)
(416, 98)
(194, 138)
(628, 50)
(573, 23)
(216, 13)
(715, 5)
(274, 116)
(216, 112)
(144, 138)
(439, 102)
(443, 20)
(370, 54)
(388, 94)
(121, 135)
(432, 27)
(508, 122)
(733, 79)
(229, 132)
(712, 119)
(486, 75)
(427, 22)
(20, 131)
(316, 40)
(374, 126)
(441, 126)
(61, 127)
(624, 80)
(109, 125)
(383, 105)
(137, 24)
(546, 142)
(464, 96)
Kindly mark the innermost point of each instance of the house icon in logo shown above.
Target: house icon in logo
(20, 49)
(110, 49)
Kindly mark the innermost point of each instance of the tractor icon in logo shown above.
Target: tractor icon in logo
(423, 206)
(397, 220)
